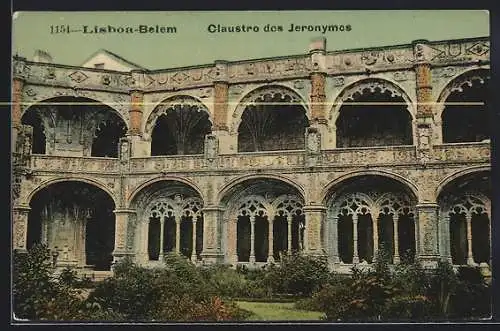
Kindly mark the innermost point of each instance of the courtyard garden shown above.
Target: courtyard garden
(300, 288)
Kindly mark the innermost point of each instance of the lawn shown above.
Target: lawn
(277, 311)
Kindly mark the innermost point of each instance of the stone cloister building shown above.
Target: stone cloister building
(336, 154)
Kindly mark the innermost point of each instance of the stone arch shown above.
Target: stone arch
(81, 124)
(252, 96)
(76, 219)
(92, 100)
(356, 88)
(231, 184)
(383, 173)
(169, 103)
(149, 182)
(168, 218)
(367, 211)
(459, 111)
(90, 181)
(456, 175)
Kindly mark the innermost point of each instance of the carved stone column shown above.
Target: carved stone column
(194, 258)
(355, 255)
(444, 234)
(425, 117)
(178, 221)
(289, 233)
(317, 51)
(395, 222)
(313, 242)
(139, 147)
(212, 217)
(252, 239)
(16, 111)
(427, 228)
(20, 227)
(121, 229)
(270, 254)
(221, 107)
(375, 236)
(470, 256)
(333, 221)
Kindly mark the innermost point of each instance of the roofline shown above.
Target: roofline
(114, 55)
(351, 50)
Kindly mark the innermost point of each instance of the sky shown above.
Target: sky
(193, 44)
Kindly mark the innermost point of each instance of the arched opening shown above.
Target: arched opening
(33, 118)
(371, 213)
(76, 220)
(465, 212)
(465, 117)
(273, 121)
(374, 116)
(75, 126)
(181, 128)
(264, 220)
(170, 220)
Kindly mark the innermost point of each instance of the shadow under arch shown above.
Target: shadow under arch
(459, 174)
(411, 187)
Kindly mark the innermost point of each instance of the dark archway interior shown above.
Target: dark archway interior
(107, 137)
(32, 118)
(82, 205)
(273, 123)
(181, 131)
(375, 121)
(467, 122)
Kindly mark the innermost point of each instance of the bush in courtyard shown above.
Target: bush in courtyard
(297, 274)
(472, 297)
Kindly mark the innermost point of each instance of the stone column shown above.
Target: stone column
(252, 239)
(289, 233)
(355, 256)
(212, 219)
(194, 258)
(121, 229)
(220, 109)
(162, 237)
(317, 51)
(313, 242)
(178, 234)
(334, 237)
(270, 254)
(395, 222)
(444, 233)
(470, 256)
(138, 146)
(16, 110)
(425, 117)
(427, 229)
(375, 235)
(20, 227)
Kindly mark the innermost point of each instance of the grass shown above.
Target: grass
(277, 311)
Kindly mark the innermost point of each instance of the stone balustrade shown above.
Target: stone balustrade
(268, 160)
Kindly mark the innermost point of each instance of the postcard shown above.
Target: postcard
(244, 166)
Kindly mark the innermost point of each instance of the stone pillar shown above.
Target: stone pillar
(334, 237)
(194, 258)
(162, 237)
(424, 117)
(313, 242)
(470, 256)
(20, 227)
(317, 51)
(139, 147)
(444, 234)
(16, 110)
(395, 222)
(427, 221)
(375, 235)
(212, 217)
(289, 233)
(270, 254)
(355, 256)
(252, 239)
(178, 234)
(121, 228)
(220, 108)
